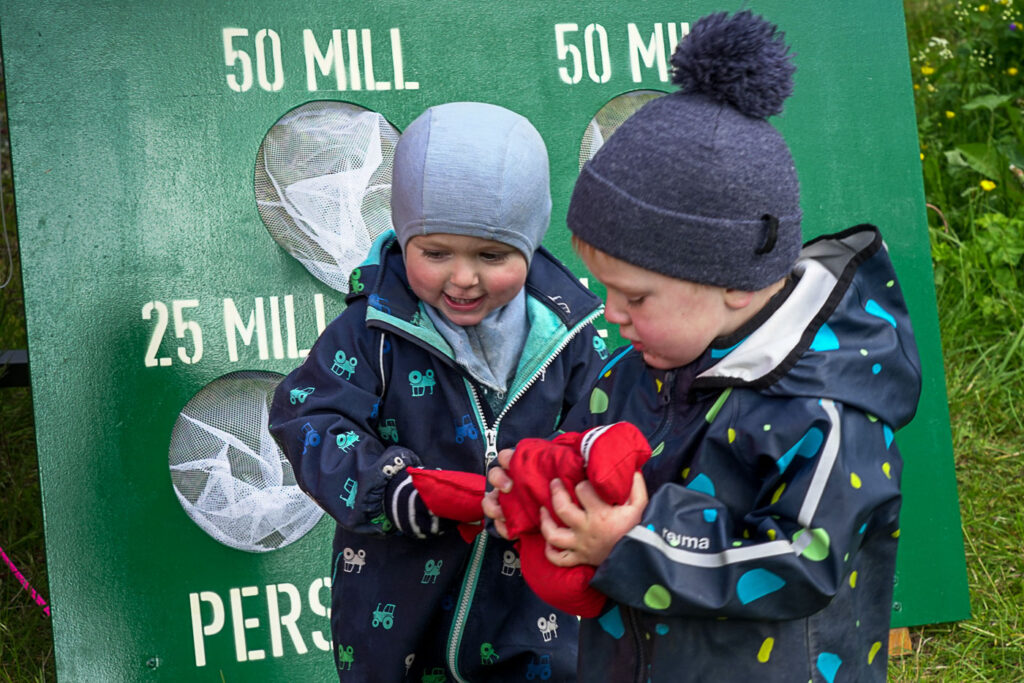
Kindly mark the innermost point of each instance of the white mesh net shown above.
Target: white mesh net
(228, 473)
(323, 185)
(609, 118)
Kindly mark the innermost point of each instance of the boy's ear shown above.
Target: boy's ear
(737, 298)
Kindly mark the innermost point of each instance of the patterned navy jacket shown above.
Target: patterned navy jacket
(768, 548)
(380, 392)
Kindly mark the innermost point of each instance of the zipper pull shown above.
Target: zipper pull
(492, 445)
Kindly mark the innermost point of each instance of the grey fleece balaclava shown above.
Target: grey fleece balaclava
(697, 185)
(476, 169)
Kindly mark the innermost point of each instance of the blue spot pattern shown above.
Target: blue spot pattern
(887, 431)
(806, 447)
(828, 664)
(702, 484)
(875, 309)
(756, 584)
(825, 340)
(611, 622)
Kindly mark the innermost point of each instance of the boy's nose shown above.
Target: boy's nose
(463, 275)
(614, 313)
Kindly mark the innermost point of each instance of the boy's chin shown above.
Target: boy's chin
(659, 363)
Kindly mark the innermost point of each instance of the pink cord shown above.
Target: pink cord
(25, 584)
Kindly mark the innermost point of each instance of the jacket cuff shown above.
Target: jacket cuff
(407, 511)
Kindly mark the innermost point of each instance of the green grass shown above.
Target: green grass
(978, 244)
(968, 67)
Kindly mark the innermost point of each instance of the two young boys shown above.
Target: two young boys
(761, 543)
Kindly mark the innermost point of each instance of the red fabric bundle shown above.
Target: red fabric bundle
(607, 456)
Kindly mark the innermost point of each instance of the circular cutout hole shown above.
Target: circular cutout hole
(229, 474)
(323, 185)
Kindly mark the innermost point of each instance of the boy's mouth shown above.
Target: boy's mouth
(460, 304)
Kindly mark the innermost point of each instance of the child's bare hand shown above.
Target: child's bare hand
(497, 476)
(502, 483)
(593, 527)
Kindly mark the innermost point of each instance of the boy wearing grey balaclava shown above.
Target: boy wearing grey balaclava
(462, 336)
(475, 170)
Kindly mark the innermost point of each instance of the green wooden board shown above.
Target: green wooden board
(135, 128)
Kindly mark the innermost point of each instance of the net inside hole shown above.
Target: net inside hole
(608, 119)
(228, 473)
(323, 185)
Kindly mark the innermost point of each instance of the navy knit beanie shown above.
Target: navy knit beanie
(697, 185)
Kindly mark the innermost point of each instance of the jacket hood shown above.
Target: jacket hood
(842, 333)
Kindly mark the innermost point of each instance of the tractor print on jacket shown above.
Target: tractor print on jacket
(510, 563)
(345, 658)
(355, 560)
(299, 395)
(431, 571)
(421, 381)
(310, 437)
(548, 627)
(388, 430)
(487, 654)
(347, 440)
(465, 428)
(384, 616)
(354, 284)
(344, 364)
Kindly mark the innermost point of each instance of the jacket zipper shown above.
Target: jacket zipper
(491, 439)
(664, 399)
(634, 630)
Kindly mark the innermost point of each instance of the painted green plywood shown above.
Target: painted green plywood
(135, 129)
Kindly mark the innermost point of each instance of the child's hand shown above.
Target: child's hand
(592, 530)
(501, 482)
(497, 475)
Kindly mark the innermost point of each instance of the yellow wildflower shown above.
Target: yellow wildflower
(982, 8)
(987, 185)
(950, 114)
(922, 156)
(927, 70)
(1012, 71)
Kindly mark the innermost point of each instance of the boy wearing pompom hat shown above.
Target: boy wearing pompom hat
(462, 335)
(760, 543)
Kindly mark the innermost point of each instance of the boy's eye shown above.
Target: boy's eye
(635, 301)
(433, 254)
(492, 257)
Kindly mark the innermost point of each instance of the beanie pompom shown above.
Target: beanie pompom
(740, 60)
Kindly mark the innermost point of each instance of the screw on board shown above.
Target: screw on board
(897, 607)
(153, 662)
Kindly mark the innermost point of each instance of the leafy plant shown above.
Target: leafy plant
(969, 87)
